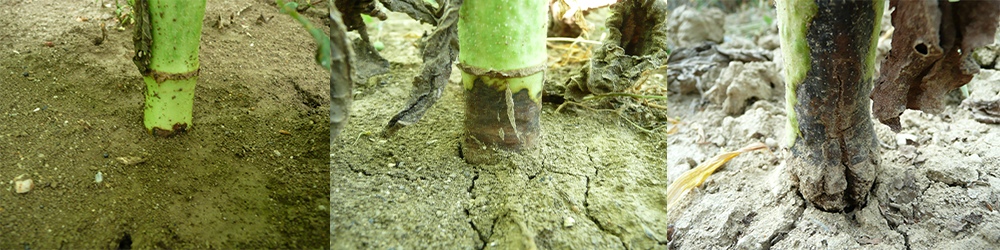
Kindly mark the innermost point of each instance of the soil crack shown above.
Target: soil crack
(586, 205)
(355, 170)
(479, 233)
(468, 215)
(780, 235)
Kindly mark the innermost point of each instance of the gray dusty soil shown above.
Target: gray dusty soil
(597, 182)
(233, 181)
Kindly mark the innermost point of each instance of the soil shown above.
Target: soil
(71, 109)
(598, 182)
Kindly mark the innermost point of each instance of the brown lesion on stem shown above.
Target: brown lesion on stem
(522, 72)
(160, 77)
(178, 129)
(499, 120)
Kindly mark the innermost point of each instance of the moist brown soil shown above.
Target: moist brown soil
(69, 109)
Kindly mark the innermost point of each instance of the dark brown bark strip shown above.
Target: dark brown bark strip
(160, 77)
(488, 121)
(836, 156)
(931, 54)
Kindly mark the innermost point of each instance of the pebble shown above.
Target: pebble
(901, 139)
(771, 142)
(955, 225)
(569, 222)
(23, 184)
(99, 177)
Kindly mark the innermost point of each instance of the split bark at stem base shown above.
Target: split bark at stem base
(835, 154)
(498, 118)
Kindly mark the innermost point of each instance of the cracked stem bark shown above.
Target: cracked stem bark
(829, 48)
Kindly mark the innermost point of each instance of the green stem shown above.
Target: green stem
(168, 35)
(503, 58)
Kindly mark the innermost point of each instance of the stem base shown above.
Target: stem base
(835, 154)
(496, 121)
(169, 105)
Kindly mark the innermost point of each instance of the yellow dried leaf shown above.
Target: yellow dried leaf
(672, 130)
(672, 120)
(694, 177)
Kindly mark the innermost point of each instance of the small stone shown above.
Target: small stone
(23, 184)
(908, 151)
(975, 160)
(901, 139)
(950, 173)
(569, 222)
(99, 177)
(973, 218)
(771, 143)
(955, 225)
(106, 155)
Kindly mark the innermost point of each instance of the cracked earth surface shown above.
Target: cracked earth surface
(415, 190)
(938, 190)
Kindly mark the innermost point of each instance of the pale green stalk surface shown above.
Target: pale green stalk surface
(176, 31)
(503, 35)
(793, 19)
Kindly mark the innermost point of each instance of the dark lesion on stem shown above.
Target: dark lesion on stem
(178, 129)
(835, 158)
(163, 76)
(506, 120)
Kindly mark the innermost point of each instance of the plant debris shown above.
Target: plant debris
(927, 58)
(566, 17)
(341, 85)
(636, 43)
(439, 50)
(694, 177)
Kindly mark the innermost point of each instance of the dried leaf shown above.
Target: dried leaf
(694, 177)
